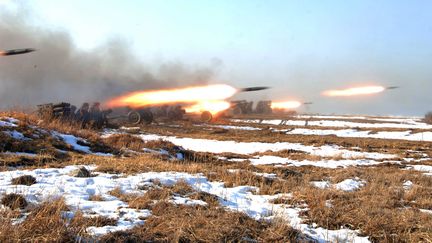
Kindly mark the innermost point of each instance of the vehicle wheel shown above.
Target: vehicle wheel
(206, 116)
(237, 111)
(134, 117)
(146, 117)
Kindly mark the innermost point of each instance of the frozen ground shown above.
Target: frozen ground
(60, 182)
(52, 183)
(352, 133)
(216, 146)
(408, 124)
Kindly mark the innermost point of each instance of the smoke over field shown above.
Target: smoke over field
(58, 70)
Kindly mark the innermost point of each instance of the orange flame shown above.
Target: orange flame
(213, 106)
(190, 95)
(286, 105)
(366, 90)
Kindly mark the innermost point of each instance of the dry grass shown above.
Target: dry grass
(81, 221)
(27, 180)
(14, 201)
(377, 208)
(382, 199)
(45, 223)
(122, 141)
(171, 223)
(96, 197)
(381, 209)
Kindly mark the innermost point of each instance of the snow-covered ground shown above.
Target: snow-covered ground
(51, 183)
(325, 163)
(73, 142)
(54, 182)
(8, 122)
(353, 133)
(16, 135)
(424, 168)
(246, 128)
(408, 124)
(347, 185)
(216, 146)
(399, 119)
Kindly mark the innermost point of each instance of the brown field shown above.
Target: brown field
(382, 209)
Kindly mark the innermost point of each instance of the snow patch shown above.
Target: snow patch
(422, 168)
(321, 184)
(404, 135)
(350, 185)
(407, 185)
(228, 127)
(73, 141)
(335, 123)
(332, 164)
(216, 146)
(77, 191)
(16, 135)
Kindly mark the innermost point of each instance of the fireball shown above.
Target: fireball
(212, 106)
(365, 90)
(285, 105)
(191, 95)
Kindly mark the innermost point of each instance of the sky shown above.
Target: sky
(299, 48)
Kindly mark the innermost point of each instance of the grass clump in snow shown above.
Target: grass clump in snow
(26, 180)
(96, 198)
(14, 201)
(124, 141)
(82, 172)
(80, 220)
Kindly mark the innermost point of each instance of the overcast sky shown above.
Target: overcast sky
(300, 48)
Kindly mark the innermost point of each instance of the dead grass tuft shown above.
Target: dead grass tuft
(27, 180)
(14, 201)
(162, 144)
(81, 221)
(96, 198)
(122, 141)
(82, 172)
(182, 188)
(45, 223)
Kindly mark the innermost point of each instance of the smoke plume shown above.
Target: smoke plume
(59, 71)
